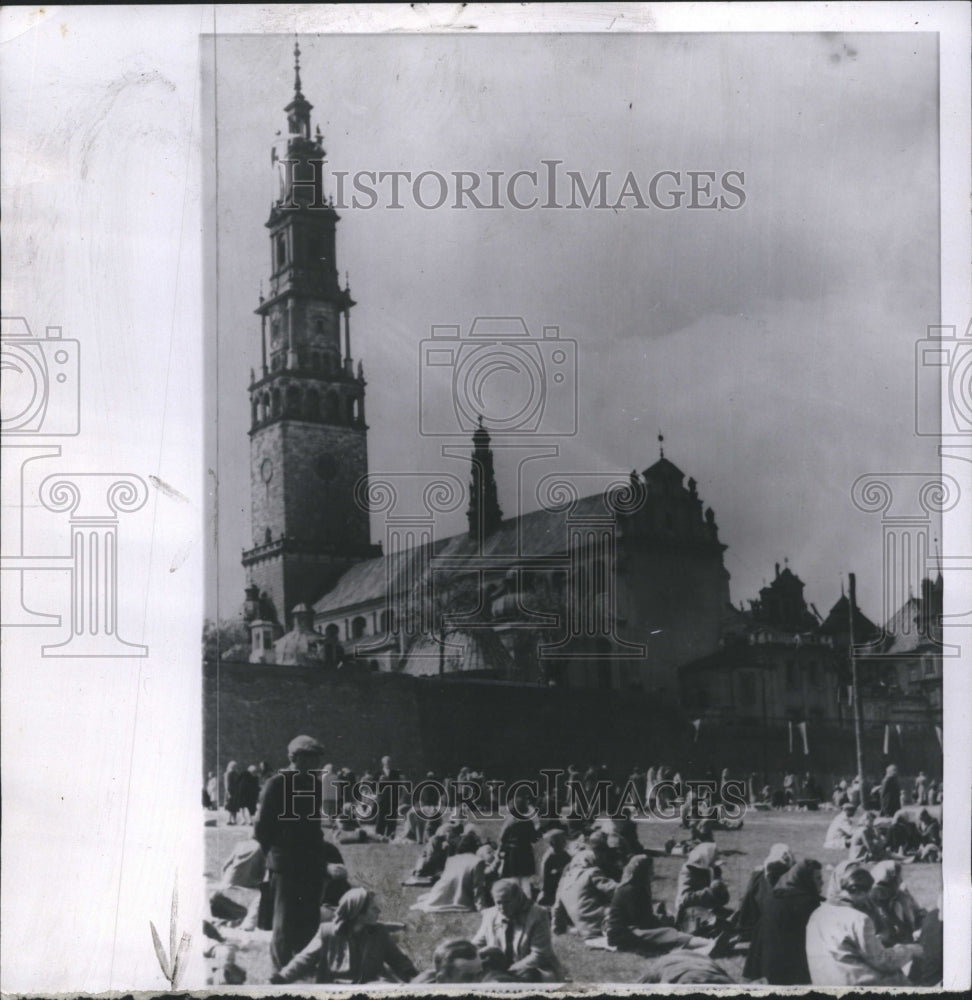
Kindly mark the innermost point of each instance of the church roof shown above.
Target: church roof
(540, 533)
(836, 622)
(664, 470)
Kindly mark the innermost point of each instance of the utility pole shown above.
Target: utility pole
(855, 688)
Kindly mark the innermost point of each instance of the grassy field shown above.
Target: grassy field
(381, 867)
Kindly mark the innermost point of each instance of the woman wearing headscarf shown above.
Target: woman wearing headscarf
(778, 860)
(701, 895)
(583, 895)
(352, 948)
(461, 887)
(781, 938)
(843, 948)
(896, 914)
(632, 923)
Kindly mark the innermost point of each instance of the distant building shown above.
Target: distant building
(779, 662)
(776, 664)
(903, 664)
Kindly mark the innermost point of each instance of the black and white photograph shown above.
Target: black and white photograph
(491, 495)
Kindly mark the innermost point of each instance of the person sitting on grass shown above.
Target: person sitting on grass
(843, 948)
(746, 919)
(685, 967)
(867, 844)
(352, 948)
(929, 837)
(841, 829)
(519, 931)
(780, 942)
(461, 887)
(455, 960)
(634, 923)
(928, 969)
(552, 865)
(903, 839)
(584, 893)
(433, 856)
(701, 897)
(896, 914)
(350, 831)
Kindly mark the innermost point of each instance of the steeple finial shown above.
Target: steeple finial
(296, 66)
(661, 444)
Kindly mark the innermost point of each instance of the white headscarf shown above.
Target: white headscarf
(702, 856)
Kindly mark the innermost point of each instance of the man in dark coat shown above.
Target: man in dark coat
(890, 792)
(288, 828)
(782, 930)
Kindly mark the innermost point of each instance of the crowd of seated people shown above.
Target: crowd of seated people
(595, 880)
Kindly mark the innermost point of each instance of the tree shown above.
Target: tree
(218, 638)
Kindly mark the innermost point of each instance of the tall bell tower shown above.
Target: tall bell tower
(308, 437)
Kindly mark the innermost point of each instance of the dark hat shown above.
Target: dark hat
(303, 744)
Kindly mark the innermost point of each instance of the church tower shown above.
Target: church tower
(308, 437)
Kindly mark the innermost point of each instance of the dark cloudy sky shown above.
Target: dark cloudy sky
(773, 345)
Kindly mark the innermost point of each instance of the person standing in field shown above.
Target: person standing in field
(288, 828)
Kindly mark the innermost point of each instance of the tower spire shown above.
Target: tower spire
(661, 445)
(297, 92)
(484, 512)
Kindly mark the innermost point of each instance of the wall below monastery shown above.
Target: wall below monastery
(252, 711)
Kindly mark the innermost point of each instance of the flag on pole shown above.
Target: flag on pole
(887, 740)
(938, 733)
(803, 732)
(696, 725)
(790, 727)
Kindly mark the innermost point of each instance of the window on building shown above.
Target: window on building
(358, 626)
(281, 250)
(928, 662)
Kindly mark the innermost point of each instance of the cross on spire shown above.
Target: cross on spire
(296, 66)
(661, 444)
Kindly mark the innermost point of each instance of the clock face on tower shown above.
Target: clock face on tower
(266, 470)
